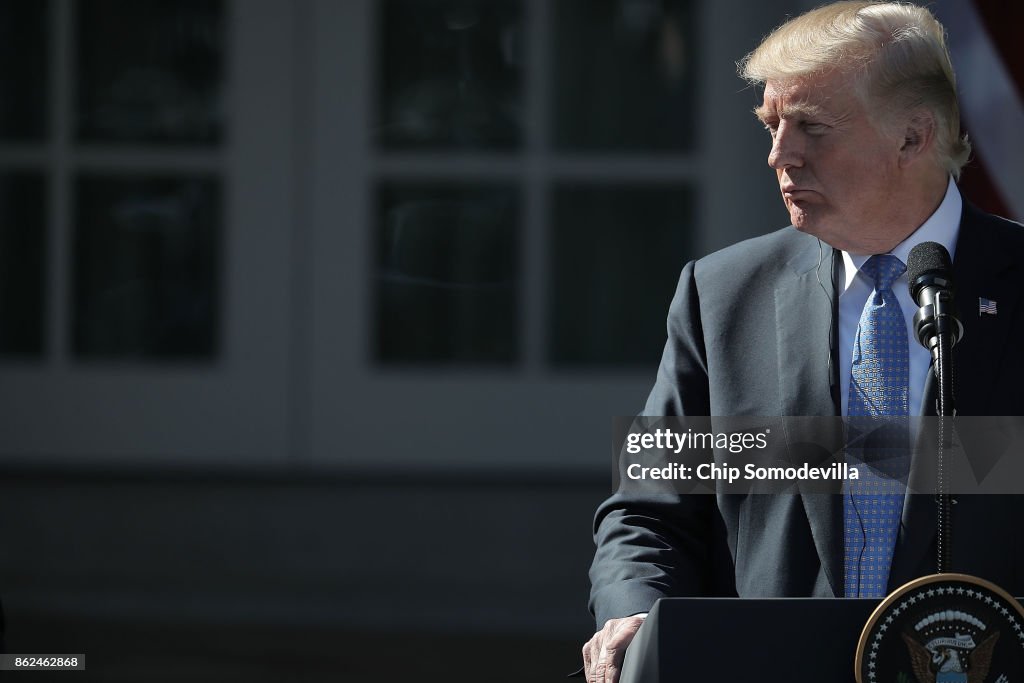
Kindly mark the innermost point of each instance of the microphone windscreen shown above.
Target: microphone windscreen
(928, 258)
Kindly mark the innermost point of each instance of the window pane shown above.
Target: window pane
(616, 253)
(624, 75)
(150, 71)
(22, 263)
(24, 69)
(447, 274)
(146, 267)
(451, 74)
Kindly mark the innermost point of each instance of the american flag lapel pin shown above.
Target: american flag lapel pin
(986, 307)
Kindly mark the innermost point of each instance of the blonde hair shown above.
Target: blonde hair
(897, 53)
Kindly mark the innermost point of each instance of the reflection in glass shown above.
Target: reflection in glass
(616, 253)
(22, 263)
(150, 70)
(146, 256)
(451, 74)
(624, 76)
(24, 69)
(447, 274)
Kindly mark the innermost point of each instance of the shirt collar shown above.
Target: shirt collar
(943, 226)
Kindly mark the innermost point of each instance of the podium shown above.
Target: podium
(797, 640)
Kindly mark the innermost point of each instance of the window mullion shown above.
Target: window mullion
(62, 95)
(535, 222)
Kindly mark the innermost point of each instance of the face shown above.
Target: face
(838, 175)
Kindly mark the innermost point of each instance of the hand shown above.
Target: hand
(603, 654)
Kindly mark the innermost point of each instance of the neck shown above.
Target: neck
(918, 202)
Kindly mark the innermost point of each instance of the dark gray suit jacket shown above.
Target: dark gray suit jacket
(751, 332)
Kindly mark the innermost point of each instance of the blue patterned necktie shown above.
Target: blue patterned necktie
(873, 504)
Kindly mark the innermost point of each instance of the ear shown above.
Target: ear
(918, 137)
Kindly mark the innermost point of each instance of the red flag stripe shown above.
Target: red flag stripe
(1003, 22)
(992, 109)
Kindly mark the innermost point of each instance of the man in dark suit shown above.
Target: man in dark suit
(860, 103)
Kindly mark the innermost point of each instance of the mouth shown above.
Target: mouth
(795, 193)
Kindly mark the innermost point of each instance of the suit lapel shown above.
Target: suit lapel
(980, 270)
(805, 325)
(806, 319)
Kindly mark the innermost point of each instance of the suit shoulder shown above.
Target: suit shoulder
(990, 239)
(1002, 228)
(757, 257)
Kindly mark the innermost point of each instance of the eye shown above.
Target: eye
(772, 128)
(814, 128)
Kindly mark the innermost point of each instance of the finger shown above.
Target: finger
(592, 654)
(587, 660)
(603, 670)
(600, 654)
(614, 647)
(613, 663)
(601, 667)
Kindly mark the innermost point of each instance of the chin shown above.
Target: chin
(801, 222)
(808, 227)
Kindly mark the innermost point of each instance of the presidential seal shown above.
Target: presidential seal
(943, 628)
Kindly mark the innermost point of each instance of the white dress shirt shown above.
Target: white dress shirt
(943, 226)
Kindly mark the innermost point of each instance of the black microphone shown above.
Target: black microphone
(930, 274)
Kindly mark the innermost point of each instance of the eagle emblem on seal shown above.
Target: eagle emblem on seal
(951, 659)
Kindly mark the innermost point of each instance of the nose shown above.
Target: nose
(787, 148)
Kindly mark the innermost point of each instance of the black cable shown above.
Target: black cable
(832, 390)
(943, 373)
(831, 316)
